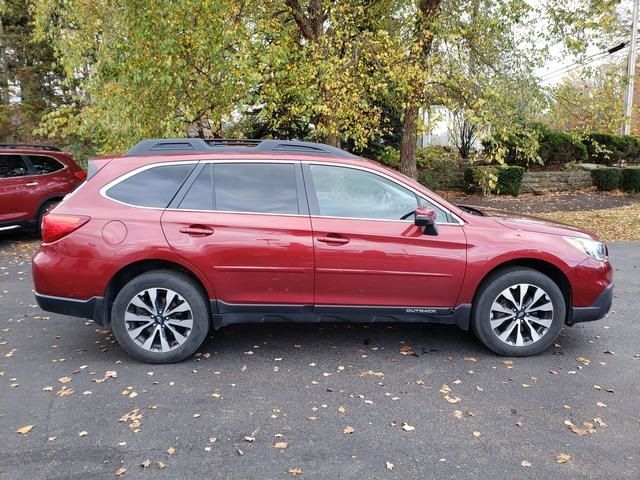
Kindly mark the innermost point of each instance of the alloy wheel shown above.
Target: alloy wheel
(521, 314)
(158, 319)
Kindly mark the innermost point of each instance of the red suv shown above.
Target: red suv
(179, 235)
(32, 179)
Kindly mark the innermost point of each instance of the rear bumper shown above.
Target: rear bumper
(598, 309)
(92, 308)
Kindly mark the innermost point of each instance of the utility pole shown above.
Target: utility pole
(631, 70)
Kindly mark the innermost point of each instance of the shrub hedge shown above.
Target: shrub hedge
(608, 149)
(477, 178)
(631, 179)
(558, 148)
(607, 178)
(509, 180)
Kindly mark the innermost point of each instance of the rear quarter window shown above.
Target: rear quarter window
(153, 187)
(43, 165)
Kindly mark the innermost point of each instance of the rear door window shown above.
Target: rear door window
(256, 187)
(245, 187)
(12, 166)
(153, 187)
(43, 165)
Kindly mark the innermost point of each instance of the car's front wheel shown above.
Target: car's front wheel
(518, 312)
(160, 317)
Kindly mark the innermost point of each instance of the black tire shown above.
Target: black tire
(491, 289)
(164, 279)
(42, 212)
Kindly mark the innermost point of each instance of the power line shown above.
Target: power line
(586, 61)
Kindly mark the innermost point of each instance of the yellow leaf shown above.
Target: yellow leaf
(348, 430)
(562, 457)
(25, 429)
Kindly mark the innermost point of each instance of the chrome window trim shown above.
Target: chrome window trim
(459, 222)
(103, 190)
(116, 181)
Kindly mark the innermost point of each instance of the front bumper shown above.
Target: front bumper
(92, 308)
(598, 309)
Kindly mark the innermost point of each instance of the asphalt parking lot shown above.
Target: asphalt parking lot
(317, 401)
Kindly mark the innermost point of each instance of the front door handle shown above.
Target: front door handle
(197, 231)
(31, 184)
(334, 239)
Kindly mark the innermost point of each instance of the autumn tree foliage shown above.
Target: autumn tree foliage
(344, 72)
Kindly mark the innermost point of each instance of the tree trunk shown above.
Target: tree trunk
(409, 142)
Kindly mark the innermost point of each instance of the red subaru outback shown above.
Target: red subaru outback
(32, 179)
(181, 235)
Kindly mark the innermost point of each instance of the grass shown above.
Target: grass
(613, 224)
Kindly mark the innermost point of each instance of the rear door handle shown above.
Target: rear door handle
(197, 231)
(31, 184)
(334, 239)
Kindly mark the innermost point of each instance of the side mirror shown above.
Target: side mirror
(426, 217)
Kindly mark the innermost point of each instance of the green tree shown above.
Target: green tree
(148, 68)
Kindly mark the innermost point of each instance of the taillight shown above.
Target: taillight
(80, 175)
(55, 226)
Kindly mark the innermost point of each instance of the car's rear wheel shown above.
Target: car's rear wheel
(518, 312)
(160, 317)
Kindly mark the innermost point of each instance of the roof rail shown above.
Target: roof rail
(16, 146)
(198, 145)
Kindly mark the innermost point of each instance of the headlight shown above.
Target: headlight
(593, 248)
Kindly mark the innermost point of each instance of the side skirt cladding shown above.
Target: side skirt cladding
(232, 314)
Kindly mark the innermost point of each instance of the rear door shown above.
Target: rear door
(17, 197)
(367, 255)
(246, 226)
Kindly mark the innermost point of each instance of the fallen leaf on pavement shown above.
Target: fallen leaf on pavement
(146, 463)
(121, 471)
(407, 428)
(348, 430)
(525, 464)
(294, 471)
(171, 450)
(25, 429)
(389, 465)
(562, 457)
(281, 445)
(407, 350)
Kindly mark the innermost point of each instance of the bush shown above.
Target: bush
(558, 148)
(608, 149)
(481, 178)
(631, 179)
(607, 178)
(553, 147)
(509, 180)
(436, 158)
(389, 156)
(438, 167)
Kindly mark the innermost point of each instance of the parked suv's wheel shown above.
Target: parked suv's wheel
(518, 312)
(160, 317)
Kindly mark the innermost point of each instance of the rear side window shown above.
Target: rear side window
(256, 187)
(245, 187)
(43, 164)
(153, 187)
(12, 166)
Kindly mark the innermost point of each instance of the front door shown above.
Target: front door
(366, 255)
(246, 227)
